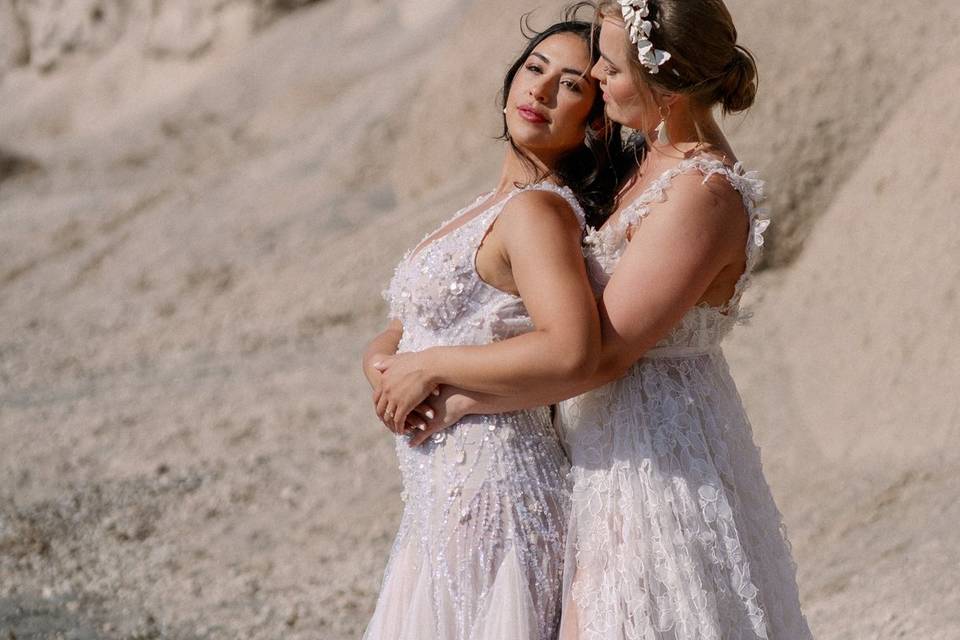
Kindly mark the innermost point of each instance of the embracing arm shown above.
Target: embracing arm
(666, 269)
(669, 267)
(539, 238)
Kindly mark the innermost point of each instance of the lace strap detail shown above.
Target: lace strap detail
(640, 207)
(490, 216)
(751, 189)
(747, 183)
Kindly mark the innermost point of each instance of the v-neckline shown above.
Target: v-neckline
(480, 206)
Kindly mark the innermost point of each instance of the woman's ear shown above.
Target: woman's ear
(668, 100)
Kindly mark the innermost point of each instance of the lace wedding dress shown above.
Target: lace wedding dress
(480, 548)
(674, 534)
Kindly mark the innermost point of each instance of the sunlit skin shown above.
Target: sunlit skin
(533, 250)
(689, 251)
(550, 98)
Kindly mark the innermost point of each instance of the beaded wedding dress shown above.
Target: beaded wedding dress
(674, 534)
(479, 552)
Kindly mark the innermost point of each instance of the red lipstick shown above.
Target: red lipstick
(532, 115)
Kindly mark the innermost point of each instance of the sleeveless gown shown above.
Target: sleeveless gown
(674, 534)
(479, 552)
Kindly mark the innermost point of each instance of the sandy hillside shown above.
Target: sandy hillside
(201, 201)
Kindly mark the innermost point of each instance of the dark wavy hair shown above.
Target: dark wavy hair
(590, 170)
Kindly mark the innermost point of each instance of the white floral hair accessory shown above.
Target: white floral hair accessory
(635, 13)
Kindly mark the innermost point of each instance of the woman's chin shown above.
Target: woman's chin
(533, 141)
(613, 113)
(523, 130)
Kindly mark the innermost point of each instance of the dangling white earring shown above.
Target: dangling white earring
(504, 109)
(663, 137)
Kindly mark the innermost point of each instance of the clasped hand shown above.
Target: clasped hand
(405, 383)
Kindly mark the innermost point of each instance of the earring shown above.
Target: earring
(504, 109)
(663, 137)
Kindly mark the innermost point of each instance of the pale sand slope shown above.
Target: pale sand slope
(186, 447)
(180, 342)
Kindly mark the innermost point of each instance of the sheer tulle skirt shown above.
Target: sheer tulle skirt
(674, 534)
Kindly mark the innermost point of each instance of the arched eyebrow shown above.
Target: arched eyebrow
(575, 72)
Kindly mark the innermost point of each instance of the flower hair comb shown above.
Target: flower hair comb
(635, 14)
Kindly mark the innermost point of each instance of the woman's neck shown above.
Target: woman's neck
(690, 131)
(518, 170)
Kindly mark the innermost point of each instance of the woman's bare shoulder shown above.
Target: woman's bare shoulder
(538, 208)
(705, 206)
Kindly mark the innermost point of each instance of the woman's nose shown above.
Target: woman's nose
(539, 91)
(596, 71)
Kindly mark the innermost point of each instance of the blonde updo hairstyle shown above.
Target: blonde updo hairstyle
(706, 62)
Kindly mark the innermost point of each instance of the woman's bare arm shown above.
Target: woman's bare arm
(665, 270)
(540, 240)
(668, 267)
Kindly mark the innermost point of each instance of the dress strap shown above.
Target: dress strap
(747, 183)
(490, 216)
(566, 193)
(751, 189)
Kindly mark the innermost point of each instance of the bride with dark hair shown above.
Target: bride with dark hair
(481, 541)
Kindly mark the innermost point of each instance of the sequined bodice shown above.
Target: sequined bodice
(480, 547)
(440, 298)
(703, 327)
